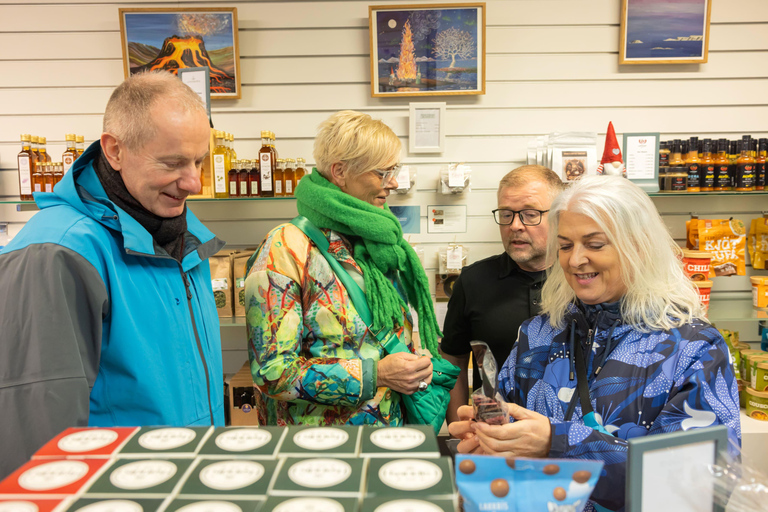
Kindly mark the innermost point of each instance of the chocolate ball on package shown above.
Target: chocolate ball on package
(511, 462)
(581, 477)
(467, 467)
(499, 487)
(559, 493)
(551, 469)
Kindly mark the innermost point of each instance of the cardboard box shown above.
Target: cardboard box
(108, 504)
(241, 398)
(320, 476)
(399, 504)
(165, 442)
(410, 441)
(232, 478)
(51, 478)
(411, 478)
(309, 504)
(218, 505)
(30, 505)
(306, 441)
(146, 478)
(243, 442)
(86, 443)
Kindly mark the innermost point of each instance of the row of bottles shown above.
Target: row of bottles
(266, 176)
(34, 155)
(708, 165)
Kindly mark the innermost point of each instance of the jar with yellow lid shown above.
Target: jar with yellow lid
(759, 292)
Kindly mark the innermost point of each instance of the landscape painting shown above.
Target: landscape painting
(427, 50)
(664, 31)
(184, 38)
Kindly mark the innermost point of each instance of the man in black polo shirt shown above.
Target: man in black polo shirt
(492, 297)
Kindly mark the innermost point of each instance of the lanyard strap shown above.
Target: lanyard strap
(582, 388)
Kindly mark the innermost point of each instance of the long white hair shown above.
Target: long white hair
(659, 295)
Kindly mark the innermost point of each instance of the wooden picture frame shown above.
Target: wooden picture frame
(155, 38)
(662, 32)
(427, 49)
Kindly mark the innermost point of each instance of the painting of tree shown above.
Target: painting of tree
(453, 43)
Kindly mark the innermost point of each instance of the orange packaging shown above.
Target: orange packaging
(692, 234)
(705, 289)
(757, 243)
(759, 292)
(726, 241)
(697, 265)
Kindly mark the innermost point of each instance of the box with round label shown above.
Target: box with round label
(409, 441)
(234, 478)
(165, 442)
(51, 478)
(116, 504)
(149, 478)
(336, 441)
(214, 505)
(86, 443)
(243, 442)
(422, 478)
(399, 504)
(30, 505)
(320, 476)
(309, 504)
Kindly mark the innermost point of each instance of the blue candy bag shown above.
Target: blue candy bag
(525, 485)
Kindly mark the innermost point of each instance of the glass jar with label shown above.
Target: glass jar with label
(221, 166)
(233, 179)
(693, 164)
(242, 178)
(745, 167)
(267, 161)
(289, 176)
(68, 157)
(253, 179)
(707, 167)
(279, 178)
(722, 176)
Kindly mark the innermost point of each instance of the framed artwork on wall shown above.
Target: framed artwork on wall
(174, 38)
(664, 32)
(427, 50)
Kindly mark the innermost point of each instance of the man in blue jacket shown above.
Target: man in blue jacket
(107, 311)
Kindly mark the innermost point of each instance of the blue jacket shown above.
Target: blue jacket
(100, 326)
(648, 383)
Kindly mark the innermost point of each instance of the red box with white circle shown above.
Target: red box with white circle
(56, 477)
(84, 443)
(29, 505)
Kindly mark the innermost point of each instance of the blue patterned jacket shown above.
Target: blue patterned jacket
(649, 383)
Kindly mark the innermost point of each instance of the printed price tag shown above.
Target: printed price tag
(404, 178)
(456, 176)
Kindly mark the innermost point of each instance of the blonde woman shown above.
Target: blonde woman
(621, 350)
(313, 358)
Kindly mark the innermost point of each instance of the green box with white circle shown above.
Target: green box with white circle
(335, 441)
(150, 478)
(214, 505)
(400, 504)
(243, 442)
(320, 476)
(411, 477)
(309, 504)
(116, 504)
(410, 441)
(165, 442)
(235, 478)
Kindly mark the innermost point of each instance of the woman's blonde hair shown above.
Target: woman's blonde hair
(659, 295)
(357, 140)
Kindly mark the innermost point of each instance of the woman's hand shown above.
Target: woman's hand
(529, 436)
(404, 371)
(463, 429)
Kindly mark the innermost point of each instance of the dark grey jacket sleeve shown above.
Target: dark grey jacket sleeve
(52, 303)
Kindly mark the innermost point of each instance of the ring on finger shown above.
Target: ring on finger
(422, 386)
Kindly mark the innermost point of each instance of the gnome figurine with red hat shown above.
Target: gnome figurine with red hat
(612, 162)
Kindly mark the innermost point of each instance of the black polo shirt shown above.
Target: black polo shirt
(490, 300)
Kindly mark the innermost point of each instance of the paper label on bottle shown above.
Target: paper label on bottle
(243, 439)
(231, 474)
(404, 178)
(142, 474)
(266, 172)
(453, 261)
(53, 475)
(219, 174)
(278, 187)
(233, 189)
(244, 188)
(87, 440)
(320, 438)
(408, 505)
(68, 160)
(210, 506)
(410, 474)
(18, 506)
(319, 473)
(25, 176)
(38, 187)
(398, 438)
(289, 187)
(169, 438)
(309, 505)
(112, 506)
(456, 176)
(49, 187)
(254, 188)
(219, 284)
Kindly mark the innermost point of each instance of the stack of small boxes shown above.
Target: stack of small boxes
(235, 469)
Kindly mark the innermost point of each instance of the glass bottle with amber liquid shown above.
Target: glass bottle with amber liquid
(267, 162)
(707, 167)
(232, 146)
(38, 177)
(48, 178)
(722, 176)
(289, 176)
(693, 164)
(69, 156)
(760, 163)
(272, 144)
(36, 148)
(280, 178)
(253, 179)
(733, 157)
(80, 140)
(58, 173)
(44, 151)
(745, 167)
(233, 178)
(301, 170)
(221, 166)
(242, 178)
(26, 163)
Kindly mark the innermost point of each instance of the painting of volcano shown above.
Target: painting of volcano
(171, 39)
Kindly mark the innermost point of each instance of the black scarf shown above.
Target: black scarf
(168, 232)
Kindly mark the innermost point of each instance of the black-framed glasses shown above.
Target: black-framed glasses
(387, 174)
(529, 216)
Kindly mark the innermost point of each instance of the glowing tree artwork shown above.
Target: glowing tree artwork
(453, 43)
(406, 70)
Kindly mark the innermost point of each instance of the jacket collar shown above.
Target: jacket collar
(508, 266)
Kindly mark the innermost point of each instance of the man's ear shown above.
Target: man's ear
(338, 176)
(113, 151)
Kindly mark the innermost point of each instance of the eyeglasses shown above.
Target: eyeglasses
(387, 174)
(529, 217)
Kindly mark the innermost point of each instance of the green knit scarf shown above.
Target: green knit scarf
(379, 248)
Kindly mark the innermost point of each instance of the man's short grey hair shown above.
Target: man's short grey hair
(522, 176)
(129, 112)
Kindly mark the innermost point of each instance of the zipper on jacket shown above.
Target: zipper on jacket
(197, 339)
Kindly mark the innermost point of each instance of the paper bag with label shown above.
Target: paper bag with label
(758, 243)
(726, 240)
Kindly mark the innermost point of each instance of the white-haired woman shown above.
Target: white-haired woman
(621, 350)
(314, 358)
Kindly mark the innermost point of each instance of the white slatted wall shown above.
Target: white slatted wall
(552, 65)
